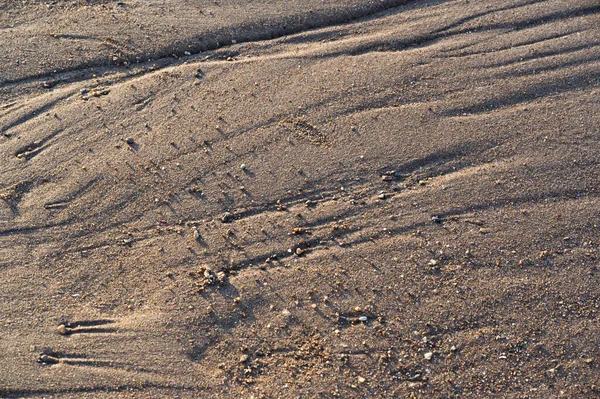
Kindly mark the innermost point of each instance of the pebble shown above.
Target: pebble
(436, 219)
(244, 358)
(428, 356)
(361, 380)
(130, 140)
(63, 330)
(49, 84)
(244, 167)
(196, 234)
(363, 319)
(227, 218)
(47, 359)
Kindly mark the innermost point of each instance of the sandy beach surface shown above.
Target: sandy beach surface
(299, 199)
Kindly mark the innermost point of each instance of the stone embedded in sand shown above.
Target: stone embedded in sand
(49, 84)
(63, 330)
(227, 218)
(244, 167)
(47, 359)
(428, 356)
(244, 358)
(130, 140)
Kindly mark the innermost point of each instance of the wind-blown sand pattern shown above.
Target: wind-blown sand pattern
(299, 199)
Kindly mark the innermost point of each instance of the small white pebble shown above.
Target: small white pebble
(428, 356)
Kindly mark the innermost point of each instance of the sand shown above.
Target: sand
(299, 199)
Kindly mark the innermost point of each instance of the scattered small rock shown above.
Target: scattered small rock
(436, 219)
(49, 84)
(63, 330)
(47, 359)
(130, 140)
(227, 218)
(428, 356)
(244, 358)
(244, 167)
(300, 230)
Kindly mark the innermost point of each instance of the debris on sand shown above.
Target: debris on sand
(47, 359)
(227, 218)
(63, 330)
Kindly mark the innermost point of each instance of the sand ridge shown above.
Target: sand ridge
(401, 204)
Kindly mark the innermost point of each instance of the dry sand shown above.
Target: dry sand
(360, 199)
